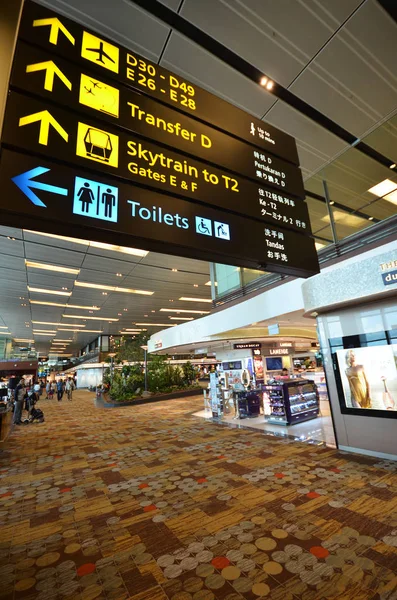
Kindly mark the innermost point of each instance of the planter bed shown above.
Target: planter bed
(107, 402)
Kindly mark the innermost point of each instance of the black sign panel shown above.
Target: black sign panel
(247, 345)
(34, 72)
(64, 37)
(35, 126)
(61, 199)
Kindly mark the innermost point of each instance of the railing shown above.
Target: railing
(19, 356)
(382, 232)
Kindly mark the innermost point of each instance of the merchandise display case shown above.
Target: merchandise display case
(291, 402)
(247, 403)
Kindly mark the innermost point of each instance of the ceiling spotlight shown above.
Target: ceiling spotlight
(370, 218)
(264, 81)
(392, 166)
(174, 270)
(269, 85)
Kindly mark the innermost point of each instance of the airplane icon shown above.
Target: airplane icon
(101, 53)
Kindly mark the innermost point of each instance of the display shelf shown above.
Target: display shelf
(291, 402)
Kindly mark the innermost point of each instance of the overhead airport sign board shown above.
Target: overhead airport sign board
(246, 199)
(35, 126)
(91, 205)
(63, 37)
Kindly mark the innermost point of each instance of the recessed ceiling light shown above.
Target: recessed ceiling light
(43, 331)
(63, 305)
(174, 270)
(48, 334)
(122, 249)
(384, 187)
(3, 327)
(45, 291)
(45, 267)
(21, 340)
(189, 299)
(91, 318)
(5, 333)
(332, 202)
(392, 166)
(181, 310)
(157, 324)
(209, 283)
(111, 288)
(182, 318)
(270, 85)
(370, 218)
(84, 331)
(61, 340)
(264, 81)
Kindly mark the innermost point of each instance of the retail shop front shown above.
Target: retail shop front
(356, 309)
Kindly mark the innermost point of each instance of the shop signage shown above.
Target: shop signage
(158, 345)
(247, 345)
(285, 344)
(51, 196)
(34, 126)
(171, 168)
(392, 264)
(390, 277)
(65, 38)
(141, 115)
(278, 351)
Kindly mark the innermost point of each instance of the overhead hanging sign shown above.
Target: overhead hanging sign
(159, 175)
(42, 27)
(80, 91)
(51, 197)
(34, 126)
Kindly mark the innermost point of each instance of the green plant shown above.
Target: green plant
(189, 372)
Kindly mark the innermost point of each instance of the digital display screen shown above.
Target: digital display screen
(368, 377)
(274, 364)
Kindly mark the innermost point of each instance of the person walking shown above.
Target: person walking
(69, 387)
(59, 389)
(20, 393)
(48, 389)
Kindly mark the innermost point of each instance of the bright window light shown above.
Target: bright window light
(91, 318)
(182, 310)
(189, 299)
(384, 187)
(392, 197)
(64, 305)
(45, 267)
(123, 249)
(111, 288)
(45, 291)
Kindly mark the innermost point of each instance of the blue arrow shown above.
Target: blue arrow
(25, 183)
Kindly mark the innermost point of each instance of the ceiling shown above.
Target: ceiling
(153, 272)
(338, 56)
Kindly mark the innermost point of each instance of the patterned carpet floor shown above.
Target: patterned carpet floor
(152, 503)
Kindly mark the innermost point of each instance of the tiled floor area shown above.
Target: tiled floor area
(152, 503)
(313, 431)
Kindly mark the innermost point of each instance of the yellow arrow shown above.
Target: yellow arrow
(55, 27)
(51, 70)
(46, 119)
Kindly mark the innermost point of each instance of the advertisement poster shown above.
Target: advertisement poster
(369, 377)
(258, 367)
(214, 394)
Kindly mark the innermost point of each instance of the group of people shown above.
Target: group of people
(61, 386)
(32, 390)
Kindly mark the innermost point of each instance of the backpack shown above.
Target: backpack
(37, 413)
